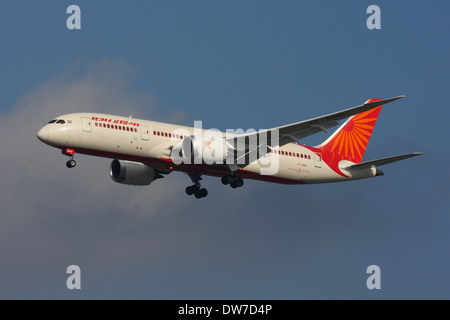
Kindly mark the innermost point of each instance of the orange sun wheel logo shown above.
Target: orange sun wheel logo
(351, 141)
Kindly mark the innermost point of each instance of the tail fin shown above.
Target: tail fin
(350, 141)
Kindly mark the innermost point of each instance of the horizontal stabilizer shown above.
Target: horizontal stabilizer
(381, 162)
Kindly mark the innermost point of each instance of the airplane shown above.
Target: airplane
(144, 151)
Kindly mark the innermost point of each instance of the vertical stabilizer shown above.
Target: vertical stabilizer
(349, 142)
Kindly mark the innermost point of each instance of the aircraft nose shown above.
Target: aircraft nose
(43, 134)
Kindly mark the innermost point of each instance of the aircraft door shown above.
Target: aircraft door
(318, 160)
(86, 123)
(145, 133)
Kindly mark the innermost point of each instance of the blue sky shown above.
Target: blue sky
(231, 64)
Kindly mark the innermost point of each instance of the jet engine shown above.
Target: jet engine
(133, 173)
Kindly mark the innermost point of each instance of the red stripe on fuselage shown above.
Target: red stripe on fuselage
(165, 163)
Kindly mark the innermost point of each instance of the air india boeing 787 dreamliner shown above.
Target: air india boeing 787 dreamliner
(143, 151)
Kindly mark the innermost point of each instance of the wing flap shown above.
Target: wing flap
(295, 137)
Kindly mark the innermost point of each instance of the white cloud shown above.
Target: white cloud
(98, 87)
(49, 210)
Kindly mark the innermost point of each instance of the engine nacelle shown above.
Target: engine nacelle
(200, 149)
(133, 173)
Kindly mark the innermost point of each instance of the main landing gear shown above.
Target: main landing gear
(69, 152)
(233, 181)
(196, 188)
(197, 191)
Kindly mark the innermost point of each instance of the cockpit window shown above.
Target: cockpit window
(59, 121)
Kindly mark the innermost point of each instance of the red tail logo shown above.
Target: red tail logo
(350, 141)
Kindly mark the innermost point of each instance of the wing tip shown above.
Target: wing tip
(396, 98)
(384, 100)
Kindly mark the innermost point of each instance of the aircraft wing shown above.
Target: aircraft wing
(298, 130)
(307, 127)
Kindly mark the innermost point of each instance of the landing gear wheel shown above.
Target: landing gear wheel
(233, 181)
(201, 193)
(191, 190)
(225, 180)
(71, 163)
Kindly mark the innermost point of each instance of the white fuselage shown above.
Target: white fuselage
(151, 142)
